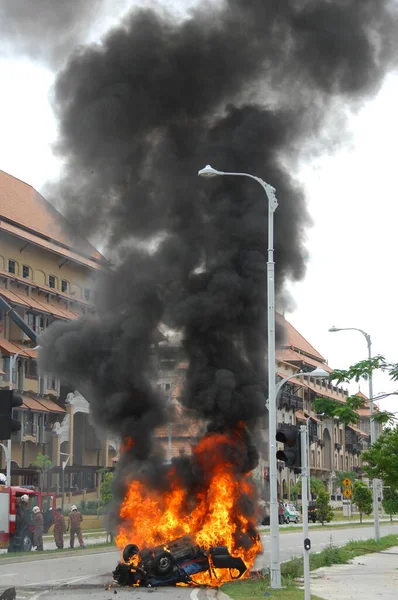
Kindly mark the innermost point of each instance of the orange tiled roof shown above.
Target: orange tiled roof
(50, 308)
(12, 348)
(296, 341)
(326, 393)
(288, 355)
(41, 287)
(293, 380)
(22, 206)
(357, 430)
(300, 415)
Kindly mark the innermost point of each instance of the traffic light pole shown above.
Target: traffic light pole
(304, 497)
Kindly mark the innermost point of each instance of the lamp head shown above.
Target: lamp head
(209, 172)
(318, 373)
(333, 329)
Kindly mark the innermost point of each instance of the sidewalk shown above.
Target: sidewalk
(367, 577)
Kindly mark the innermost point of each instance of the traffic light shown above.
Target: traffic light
(8, 401)
(291, 454)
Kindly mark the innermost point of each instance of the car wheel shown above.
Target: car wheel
(130, 551)
(296, 520)
(163, 563)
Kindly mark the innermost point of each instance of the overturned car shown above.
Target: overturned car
(175, 562)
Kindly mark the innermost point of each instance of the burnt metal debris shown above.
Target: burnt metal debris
(175, 562)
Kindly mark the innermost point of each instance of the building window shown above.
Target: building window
(64, 286)
(12, 266)
(87, 295)
(51, 281)
(25, 271)
(31, 368)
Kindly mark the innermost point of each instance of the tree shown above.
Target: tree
(316, 486)
(390, 502)
(362, 498)
(346, 411)
(323, 509)
(43, 464)
(382, 458)
(106, 487)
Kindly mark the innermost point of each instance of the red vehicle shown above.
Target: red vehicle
(19, 537)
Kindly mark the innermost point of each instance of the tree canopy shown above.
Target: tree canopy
(346, 411)
(362, 498)
(382, 458)
(316, 486)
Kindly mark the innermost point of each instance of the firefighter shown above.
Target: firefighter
(75, 518)
(59, 529)
(21, 513)
(38, 528)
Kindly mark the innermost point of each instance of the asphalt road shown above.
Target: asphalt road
(87, 574)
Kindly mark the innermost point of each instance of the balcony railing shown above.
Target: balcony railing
(338, 446)
(289, 401)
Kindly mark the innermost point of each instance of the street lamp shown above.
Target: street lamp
(13, 362)
(373, 434)
(275, 569)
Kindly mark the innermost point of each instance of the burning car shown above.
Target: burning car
(175, 562)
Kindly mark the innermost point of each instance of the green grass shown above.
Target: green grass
(327, 526)
(258, 586)
(254, 589)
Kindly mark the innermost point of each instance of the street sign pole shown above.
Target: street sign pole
(304, 496)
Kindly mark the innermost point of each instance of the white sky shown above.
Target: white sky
(352, 198)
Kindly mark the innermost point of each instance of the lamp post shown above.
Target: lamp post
(275, 569)
(373, 434)
(13, 362)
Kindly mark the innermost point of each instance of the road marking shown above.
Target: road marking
(38, 595)
(195, 594)
(9, 574)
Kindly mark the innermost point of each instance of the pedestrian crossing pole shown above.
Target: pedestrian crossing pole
(304, 496)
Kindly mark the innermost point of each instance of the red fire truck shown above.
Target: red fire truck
(19, 537)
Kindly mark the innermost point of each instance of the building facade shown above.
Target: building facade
(47, 273)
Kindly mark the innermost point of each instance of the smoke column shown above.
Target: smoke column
(246, 87)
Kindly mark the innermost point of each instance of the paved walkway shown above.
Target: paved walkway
(367, 577)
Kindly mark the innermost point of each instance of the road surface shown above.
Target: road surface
(87, 574)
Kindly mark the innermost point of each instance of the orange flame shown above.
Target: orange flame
(214, 518)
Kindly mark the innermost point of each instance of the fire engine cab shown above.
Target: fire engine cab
(15, 536)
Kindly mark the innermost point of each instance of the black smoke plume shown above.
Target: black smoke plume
(251, 86)
(45, 30)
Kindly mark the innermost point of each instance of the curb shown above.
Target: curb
(221, 596)
(54, 554)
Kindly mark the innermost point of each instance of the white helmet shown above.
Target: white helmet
(73, 508)
(35, 510)
(3, 479)
(25, 498)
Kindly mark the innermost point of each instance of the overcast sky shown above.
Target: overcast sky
(352, 198)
